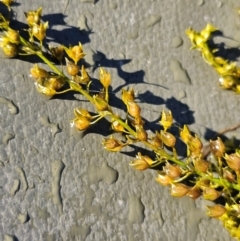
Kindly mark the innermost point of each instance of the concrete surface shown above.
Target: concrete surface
(56, 184)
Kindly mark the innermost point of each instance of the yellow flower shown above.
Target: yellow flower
(75, 52)
(7, 2)
(166, 120)
(33, 17)
(105, 78)
(127, 95)
(38, 72)
(39, 31)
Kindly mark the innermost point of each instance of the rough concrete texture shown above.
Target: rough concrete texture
(57, 184)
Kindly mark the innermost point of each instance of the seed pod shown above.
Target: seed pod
(210, 194)
(194, 193)
(229, 176)
(100, 104)
(168, 139)
(164, 179)
(179, 189)
(156, 140)
(116, 126)
(72, 68)
(78, 112)
(172, 171)
(141, 163)
(133, 109)
(201, 165)
(233, 161)
(81, 123)
(44, 90)
(112, 144)
(57, 52)
(141, 133)
(55, 83)
(217, 147)
(216, 211)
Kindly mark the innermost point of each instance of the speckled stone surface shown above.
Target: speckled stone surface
(55, 183)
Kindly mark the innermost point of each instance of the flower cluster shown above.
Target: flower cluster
(193, 176)
(229, 72)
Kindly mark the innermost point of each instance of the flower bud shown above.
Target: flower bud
(75, 52)
(105, 78)
(127, 95)
(164, 179)
(168, 139)
(141, 133)
(72, 68)
(233, 161)
(215, 211)
(133, 109)
(172, 171)
(179, 189)
(194, 193)
(111, 144)
(217, 147)
(37, 72)
(201, 165)
(210, 193)
(166, 120)
(142, 162)
(100, 104)
(33, 17)
(10, 50)
(81, 123)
